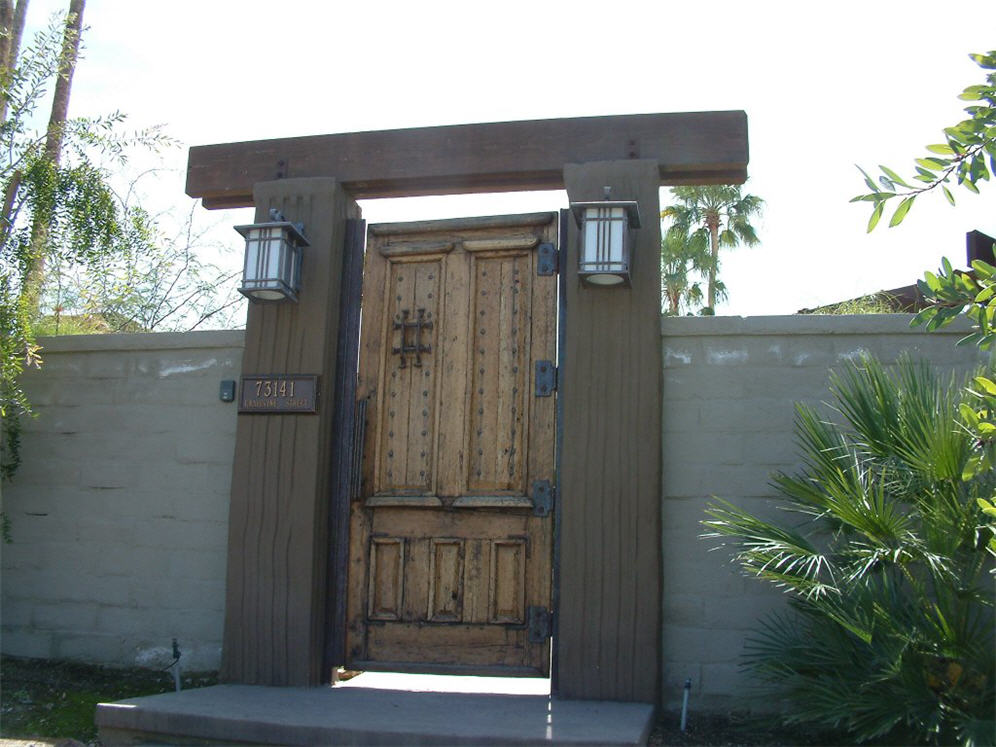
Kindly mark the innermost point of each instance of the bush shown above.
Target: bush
(890, 629)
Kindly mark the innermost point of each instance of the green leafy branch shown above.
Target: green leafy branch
(951, 292)
(56, 202)
(968, 155)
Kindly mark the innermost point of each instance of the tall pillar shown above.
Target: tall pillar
(609, 496)
(276, 591)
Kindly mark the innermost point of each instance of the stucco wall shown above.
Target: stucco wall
(730, 385)
(119, 510)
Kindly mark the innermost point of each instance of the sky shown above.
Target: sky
(825, 86)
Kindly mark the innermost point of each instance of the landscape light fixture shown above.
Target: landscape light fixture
(272, 269)
(605, 244)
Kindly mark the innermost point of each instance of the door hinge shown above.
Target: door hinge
(546, 260)
(546, 378)
(543, 497)
(540, 623)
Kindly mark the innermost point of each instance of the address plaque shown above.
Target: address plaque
(279, 393)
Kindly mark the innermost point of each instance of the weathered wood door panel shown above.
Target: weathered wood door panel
(447, 554)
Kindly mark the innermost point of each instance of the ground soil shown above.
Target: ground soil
(54, 701)
(44, 702)
(737, 730)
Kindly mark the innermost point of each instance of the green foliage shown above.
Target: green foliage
(978, 420)
(952, 293)
(155, 281)
(52, 210)
(713, 216)
(17, 350)
(877, 303)
(890, 629)
(968, 155)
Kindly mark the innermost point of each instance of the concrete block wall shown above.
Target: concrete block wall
(119, 511)
(730, 385)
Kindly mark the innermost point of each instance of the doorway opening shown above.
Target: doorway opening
(451, 551)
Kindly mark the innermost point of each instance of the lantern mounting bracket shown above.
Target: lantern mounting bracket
(277, 217)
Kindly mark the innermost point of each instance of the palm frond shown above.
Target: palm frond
(769, 551)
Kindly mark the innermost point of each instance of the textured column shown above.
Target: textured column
(275, 617)
(608, 638)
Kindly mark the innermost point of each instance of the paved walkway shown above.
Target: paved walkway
(378, 709)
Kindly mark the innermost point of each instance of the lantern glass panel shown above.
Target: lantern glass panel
(605, 258)
(274, 248)
(250, 268)
(290, 265)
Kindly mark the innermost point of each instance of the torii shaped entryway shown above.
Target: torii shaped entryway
(286, 571)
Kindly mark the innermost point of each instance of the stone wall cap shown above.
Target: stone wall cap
(142, 341)
(801, 324)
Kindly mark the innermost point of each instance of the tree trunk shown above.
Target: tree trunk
(64, 83)
(712, 223)
(6, 24)
(673, 300)
(11, 30)
(53, 146)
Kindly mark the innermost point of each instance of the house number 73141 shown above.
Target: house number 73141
(279, 393)
(274, 388)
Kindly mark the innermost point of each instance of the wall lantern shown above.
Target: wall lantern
(605, 251)
(273, 259)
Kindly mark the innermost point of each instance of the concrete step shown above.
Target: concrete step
(373, 714)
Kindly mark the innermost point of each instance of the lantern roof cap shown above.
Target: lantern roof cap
(296, 230)
(631, 207)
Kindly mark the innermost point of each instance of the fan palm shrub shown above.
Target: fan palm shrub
(886, 555)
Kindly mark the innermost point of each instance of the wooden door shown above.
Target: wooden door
(451, 536)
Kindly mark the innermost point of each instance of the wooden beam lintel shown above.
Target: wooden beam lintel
(690, 148)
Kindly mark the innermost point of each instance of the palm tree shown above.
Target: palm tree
(681, 257)
(719, 213)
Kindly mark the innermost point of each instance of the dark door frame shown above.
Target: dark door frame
(347, 443)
